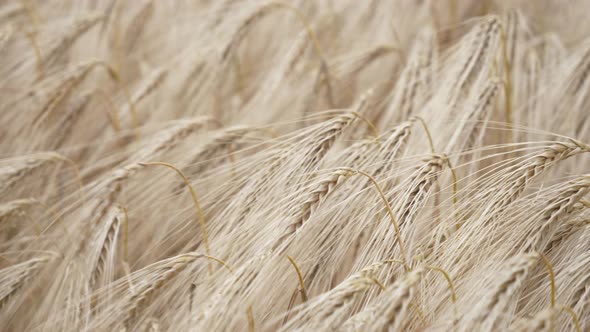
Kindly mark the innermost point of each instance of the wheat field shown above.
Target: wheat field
(247, 165)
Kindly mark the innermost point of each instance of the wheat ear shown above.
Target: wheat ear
(164, 273)
(13, 278)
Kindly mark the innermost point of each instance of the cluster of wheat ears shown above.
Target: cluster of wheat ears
(295, 166)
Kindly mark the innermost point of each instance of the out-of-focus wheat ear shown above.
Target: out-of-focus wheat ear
(545, 320)
(31, 36)
(365, 59)
(63, 90)
(13, 278)
(264, 10)
(488, 312)
(403, 100)
(243, 28)
(78, 27)
(167, 138)
(166, 271)
(6, 34)
(72, 81)
(479, 112)
(482, 39)
(67, 86)
(22, 167)
(115, 76)
(11, 10)
(63, 130)
(149, 85)
(507, 84)
(112, 109)
(223, 141)
(137, 26)
(151, 324)
(15, 206)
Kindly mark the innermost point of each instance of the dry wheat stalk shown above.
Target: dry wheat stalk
(235, 61)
